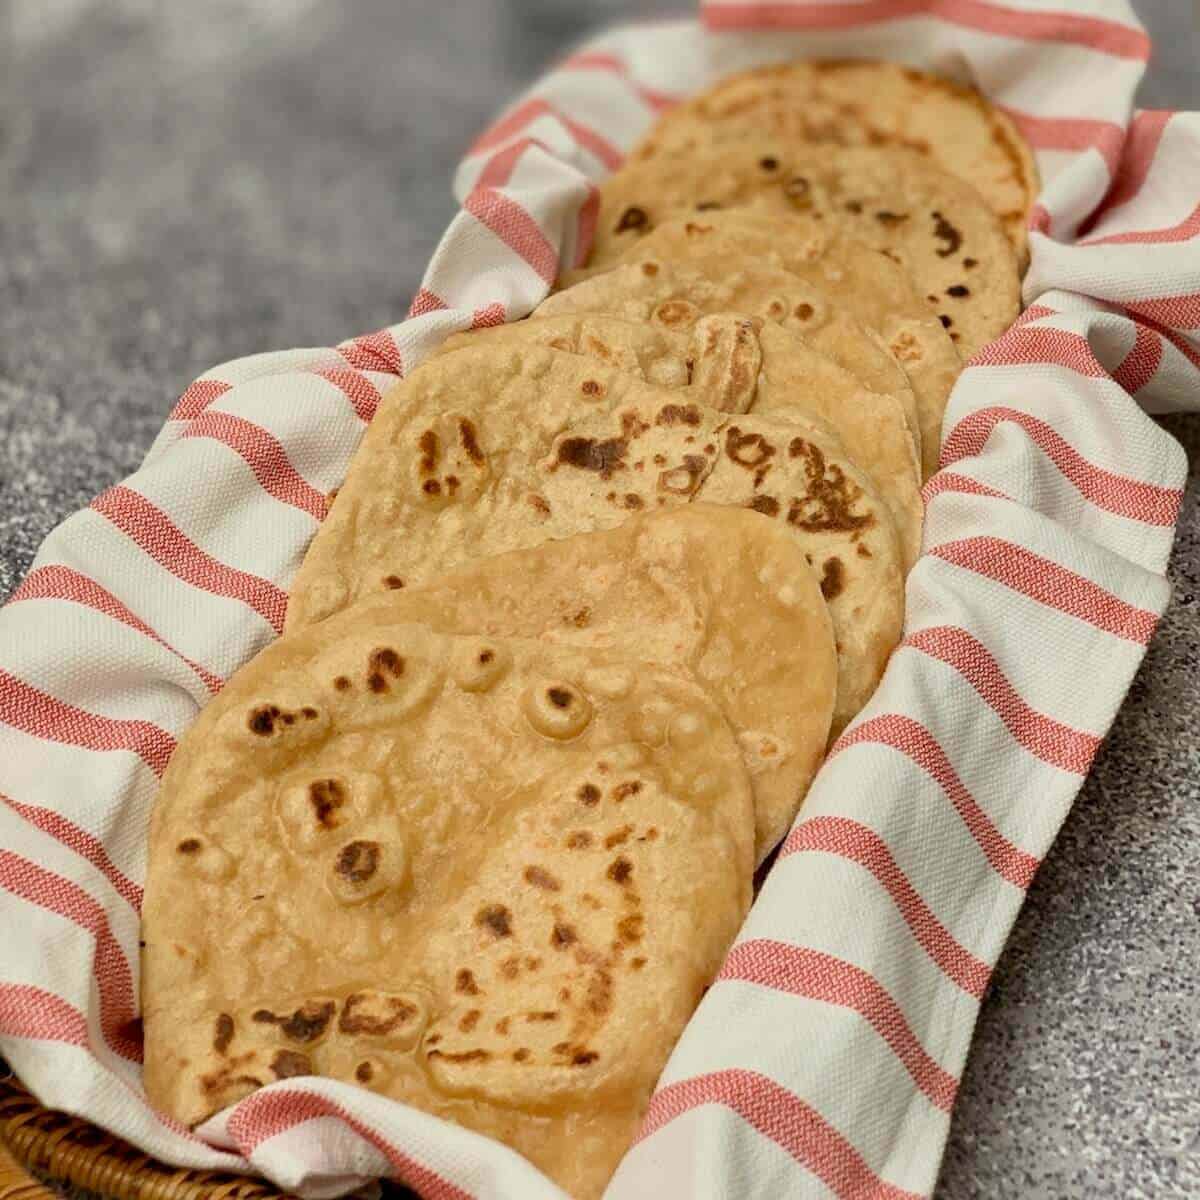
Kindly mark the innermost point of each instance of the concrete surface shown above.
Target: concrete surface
(185, 183)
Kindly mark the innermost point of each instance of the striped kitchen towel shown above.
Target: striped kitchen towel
(825, 1059)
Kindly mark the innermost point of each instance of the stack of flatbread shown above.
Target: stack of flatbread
(597, 593)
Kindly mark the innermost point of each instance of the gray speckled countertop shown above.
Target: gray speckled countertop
(184, 183)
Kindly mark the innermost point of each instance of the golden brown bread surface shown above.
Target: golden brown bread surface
(561, 445)
(488, 877)
(807, 348)
(849, 103)
(872, 287)
(719, 590)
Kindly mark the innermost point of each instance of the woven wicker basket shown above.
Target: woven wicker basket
(37, 1142)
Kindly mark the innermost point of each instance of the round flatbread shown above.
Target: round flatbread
(936, 227)
(861, 103)
(527, 444)
(487, 877)
(796, 377)
(870, 286)
(720, 590)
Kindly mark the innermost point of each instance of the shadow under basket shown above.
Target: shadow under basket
(38, 1143)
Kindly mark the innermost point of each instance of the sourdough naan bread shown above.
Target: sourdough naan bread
(490, 878)
(561, 445)
(721, 591)
(862, 281)
(860, 103)
(937, 228)
(795, 376)
(717, 365)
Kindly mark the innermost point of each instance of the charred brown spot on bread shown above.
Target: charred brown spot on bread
(189, 846)
(946, 321)
(534, 1017)
(433, 1039)
(326, 796)
(510, 968)
(632, 218)
(618, 837)
(650, 835)
(692, 228)
(287, 1064)
(767, 505)
(624, 790)
(890, 219)
(501, 1026)
(584, 1058)
(452, 484)
(262, 719)
(769, 163)
(469, 1020)
(560, 697)
(463, 1056)
(862, 551)
(308, 713)
(539, 503)
(649, 269)
(430, 448)
(469, 437)
(581, 839)
(833, 578)
(619, 870)
(637, 964)
(342, 683)
(797, 189)
(222, 1033)
(678, 414)
(357, 861)
(854, 206)
(375, 1014)
(590, 454)
(589, 794)
(958, 291)
(707, 206)
(950, 237)
(683, 481)
(364, 1072)
(969, 262)
(803, 311)
(541, 878)
(632, 425)
(305, 1024)
(431, 487)
(633, 501)
(464, 982)
(563, 935)
(520, 1055)
(288, 718)
(748, 450)
(672, 313)
(829, 502)
(631, 928)
(592, 387)
(599, 993)
(579, 618)
(496, 919)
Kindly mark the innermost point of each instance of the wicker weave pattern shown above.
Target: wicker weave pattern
(67, 1149)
